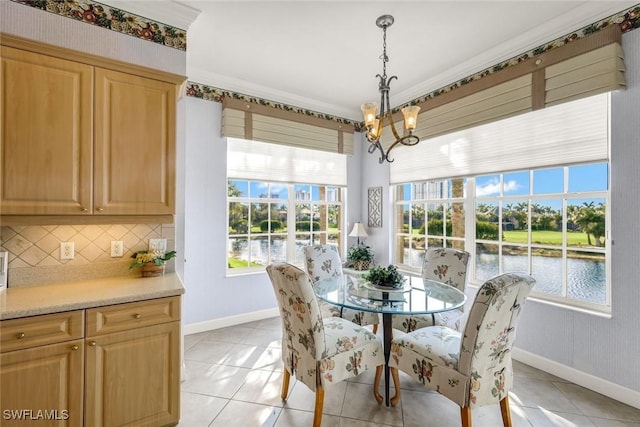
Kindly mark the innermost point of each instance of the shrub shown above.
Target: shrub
(306, 225)
(275, 225)
(486, 230)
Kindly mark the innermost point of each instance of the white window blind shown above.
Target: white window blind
(571, 132)
(262, 161)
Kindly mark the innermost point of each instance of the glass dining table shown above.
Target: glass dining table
(417, 296)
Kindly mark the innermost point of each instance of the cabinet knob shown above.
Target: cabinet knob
(92, 343)
(83, 209)
(137, 316)
(20, 335)
(74, 347)
(99, 209)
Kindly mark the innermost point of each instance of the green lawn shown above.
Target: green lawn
(547, 237)
(240, 263)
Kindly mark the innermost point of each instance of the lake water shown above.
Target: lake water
(586, 277)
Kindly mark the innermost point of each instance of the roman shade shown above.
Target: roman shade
(571, 132)
(262, 161)
(579, 69)
(242, 119)
(594, 72)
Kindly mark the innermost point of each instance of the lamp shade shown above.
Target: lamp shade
(358, 230)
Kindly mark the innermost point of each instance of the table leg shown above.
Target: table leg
(387, 334)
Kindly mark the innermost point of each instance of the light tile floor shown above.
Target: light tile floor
(233, 377)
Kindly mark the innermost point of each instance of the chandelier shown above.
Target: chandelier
(374, 121)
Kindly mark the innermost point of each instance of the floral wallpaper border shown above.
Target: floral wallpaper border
(627, 20)
(210, 93)
(114, 19)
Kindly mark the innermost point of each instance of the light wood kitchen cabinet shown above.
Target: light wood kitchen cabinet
(133, 364)
(42, 384)
(119, 365)
(134, 169)
(84, 137)
(47, 134)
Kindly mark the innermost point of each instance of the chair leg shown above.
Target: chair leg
(285, 384)
(376, 384)
(375, 328)
(506, 412)
(396, 383)
(465, 414)
(317, 414)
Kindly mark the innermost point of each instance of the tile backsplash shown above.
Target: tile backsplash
(34, 250)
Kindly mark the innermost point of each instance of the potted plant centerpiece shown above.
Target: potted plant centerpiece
(151, 263)
(360, 257)
(385, 277)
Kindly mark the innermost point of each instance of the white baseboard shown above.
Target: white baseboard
(599, 385)
(223, 322)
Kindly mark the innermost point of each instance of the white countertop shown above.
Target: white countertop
(58, 297)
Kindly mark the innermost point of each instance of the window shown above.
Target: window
(512, 204)
(272, 222)
(428, 214)
(280, 199)
(551, 223)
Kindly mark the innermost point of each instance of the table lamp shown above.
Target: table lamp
(358, 231)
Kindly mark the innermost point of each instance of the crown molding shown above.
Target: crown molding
(169, 12)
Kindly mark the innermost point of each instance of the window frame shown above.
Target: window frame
(291, 234)
(471, 199)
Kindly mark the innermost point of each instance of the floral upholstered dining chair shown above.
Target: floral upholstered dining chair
(472, 368)
(319, 352)
(323, 262)
(446, 265)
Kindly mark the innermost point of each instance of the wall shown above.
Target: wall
(602, 347)
(33, 250)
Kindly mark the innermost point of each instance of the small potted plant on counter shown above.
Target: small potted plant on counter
(151, 263)
(388, 277)
(360, 257)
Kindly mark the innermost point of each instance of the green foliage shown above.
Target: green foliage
(360, 253)
(275, 225)
(141, 258)
(306, 225)
(381, 276)
(486, 230)
(435, 227)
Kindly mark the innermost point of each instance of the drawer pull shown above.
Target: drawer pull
(137, 316)
(92, 343)
(74, 347)
(20, 335)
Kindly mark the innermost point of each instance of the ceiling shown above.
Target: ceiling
(324, 55)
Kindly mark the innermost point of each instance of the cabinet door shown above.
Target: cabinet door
(133, 377)
(134, 145)
(46, 141)
(42, 385)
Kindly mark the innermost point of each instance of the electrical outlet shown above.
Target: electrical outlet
(117, 248)
(67, 250)
(158, 245)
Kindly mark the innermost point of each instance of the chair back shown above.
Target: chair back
(322, 262)
(303, 339)
(485, 350)
(446, 265)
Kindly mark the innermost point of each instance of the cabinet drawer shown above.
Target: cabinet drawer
(121, 317)
(26, 332)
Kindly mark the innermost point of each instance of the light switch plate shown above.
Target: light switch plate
(158, 245)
